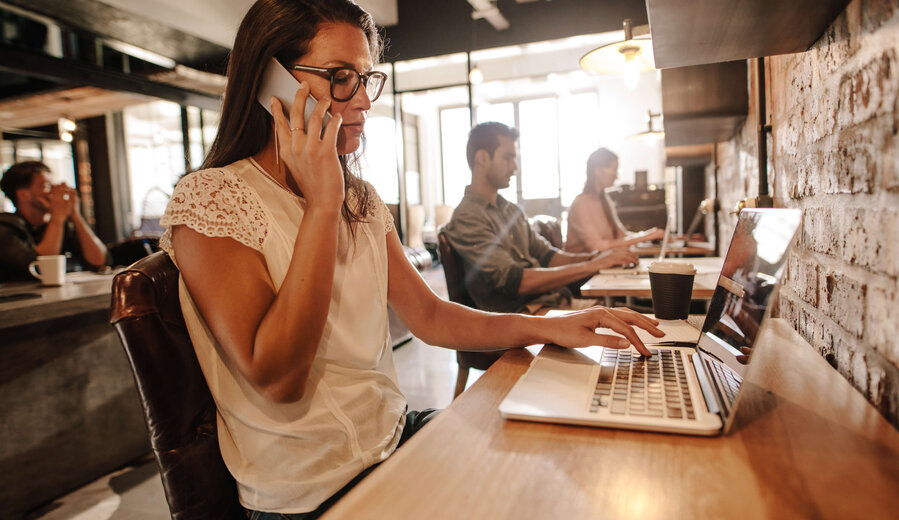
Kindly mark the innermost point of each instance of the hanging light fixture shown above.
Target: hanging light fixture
(628, 58)
(651, 132)
(475, 76)
(66, 128)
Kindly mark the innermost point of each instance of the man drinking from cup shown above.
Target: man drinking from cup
(47, 221)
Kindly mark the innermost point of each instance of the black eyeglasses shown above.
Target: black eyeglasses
(345, 81)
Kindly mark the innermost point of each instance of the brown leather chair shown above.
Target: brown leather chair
(178, 408)
(548, 227)
(454, 271)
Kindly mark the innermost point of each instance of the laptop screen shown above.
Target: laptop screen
(752, 268)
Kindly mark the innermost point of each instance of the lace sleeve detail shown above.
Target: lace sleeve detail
(379, 209)
(216, 203)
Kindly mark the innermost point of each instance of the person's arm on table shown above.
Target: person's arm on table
(565, 268)
(61, 205)
(92, 248)
(561, 267)
(443, 323)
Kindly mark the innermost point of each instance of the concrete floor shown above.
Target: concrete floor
(427, 377)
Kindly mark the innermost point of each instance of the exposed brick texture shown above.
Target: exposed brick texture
(834, 153)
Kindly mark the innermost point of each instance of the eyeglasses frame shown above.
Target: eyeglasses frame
(331, 72)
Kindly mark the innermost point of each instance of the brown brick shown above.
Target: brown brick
(890, 155)
(883, 387)
(876, 12)
(867, 91)
(858, 161)
(861, 245)
(807, 325)
(803, 279)
(843, 300)
(882, 320)
(843, 354)
(818, 230)
(882, 228)
(823, 110)
(824, 344)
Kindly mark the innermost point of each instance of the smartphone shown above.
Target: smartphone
(278, 82)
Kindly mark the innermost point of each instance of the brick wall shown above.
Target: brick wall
(834, 153)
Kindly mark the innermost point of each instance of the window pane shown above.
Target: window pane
(155, 149)
(379, 161)
(210, 127)
(195, 137)
(578, 114)
(501, 112)
(539, 149)
(454, 127)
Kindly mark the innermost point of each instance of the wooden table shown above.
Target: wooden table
(805, 444)
(675, 248)
(637, 285)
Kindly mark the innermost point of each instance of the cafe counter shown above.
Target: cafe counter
(70, 410)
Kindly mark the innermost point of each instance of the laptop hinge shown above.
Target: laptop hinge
(708, 393)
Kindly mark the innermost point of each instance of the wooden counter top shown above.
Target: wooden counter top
(83, 292)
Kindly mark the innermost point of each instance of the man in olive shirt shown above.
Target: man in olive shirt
(508, 267)
(46, 222)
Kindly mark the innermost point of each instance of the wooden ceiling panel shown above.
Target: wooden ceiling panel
(76, 103)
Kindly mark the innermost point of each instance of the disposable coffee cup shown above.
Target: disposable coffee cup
(49, 269)
(671, 284)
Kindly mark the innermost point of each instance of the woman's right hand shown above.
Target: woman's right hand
(614, 258)
(650, 234)
(578, 329)
(310, 155)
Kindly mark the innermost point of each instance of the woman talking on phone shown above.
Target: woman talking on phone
(288, 261)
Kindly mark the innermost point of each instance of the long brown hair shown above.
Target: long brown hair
(600, 158)
(282, 29)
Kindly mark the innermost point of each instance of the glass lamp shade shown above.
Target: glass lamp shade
(611, 58)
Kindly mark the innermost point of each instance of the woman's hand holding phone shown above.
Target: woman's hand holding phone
(310, 155)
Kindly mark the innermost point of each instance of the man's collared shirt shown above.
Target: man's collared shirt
(496, 244)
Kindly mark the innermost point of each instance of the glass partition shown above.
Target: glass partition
(154, 146)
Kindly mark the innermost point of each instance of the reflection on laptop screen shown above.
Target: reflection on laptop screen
(752, 267)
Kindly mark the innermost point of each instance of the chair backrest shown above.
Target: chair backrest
(453, 270)
(548, 227)
(178, 408)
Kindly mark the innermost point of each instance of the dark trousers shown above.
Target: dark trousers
(415, 420)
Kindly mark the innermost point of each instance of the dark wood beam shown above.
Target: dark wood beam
(695, 32)
(72, 73)
(437, 27)
(105, 20)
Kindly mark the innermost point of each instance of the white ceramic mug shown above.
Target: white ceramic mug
(49, 269)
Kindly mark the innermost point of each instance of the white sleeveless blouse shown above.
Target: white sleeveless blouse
(290, 457)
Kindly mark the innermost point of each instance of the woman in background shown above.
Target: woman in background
(288, 261)
(593, 224)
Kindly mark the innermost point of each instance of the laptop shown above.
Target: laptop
(688, 386)
(642, 265)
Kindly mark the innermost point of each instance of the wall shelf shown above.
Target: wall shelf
(704, 103)
(694, 32)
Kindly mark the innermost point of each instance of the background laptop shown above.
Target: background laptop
(691, 389)
(643, 264)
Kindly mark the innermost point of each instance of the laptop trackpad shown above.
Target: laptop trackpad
(552, 385)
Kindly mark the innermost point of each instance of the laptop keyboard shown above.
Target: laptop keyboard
(729, 381)
(629, 384)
